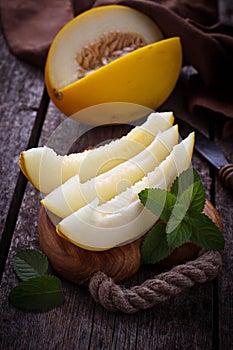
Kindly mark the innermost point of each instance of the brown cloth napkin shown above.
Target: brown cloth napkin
(30, 27)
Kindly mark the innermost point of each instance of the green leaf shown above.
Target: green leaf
(181, 209)
(205, 233)
(184, 180)
(39, 293)
(177, 216)
(29, 263)
(191, 201)
(155, 247)
(179, 235)
(159, 202)
(194, 197)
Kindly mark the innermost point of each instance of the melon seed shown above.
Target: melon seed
(108, 48)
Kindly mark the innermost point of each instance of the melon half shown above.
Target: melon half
(111, 54)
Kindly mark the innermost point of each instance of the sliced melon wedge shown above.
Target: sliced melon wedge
(73, 195)
(46, 170)
(123, 219)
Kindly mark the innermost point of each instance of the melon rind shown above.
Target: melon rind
(72, 195)
(86, 29)
(123, 219)
(145, 77)
(46, 170)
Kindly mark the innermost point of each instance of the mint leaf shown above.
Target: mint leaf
(179, 235)
(205, 233)
(155, 247)
(191, 201)
(194, 197)
(181, 209)
(39, 293)
(177, 216)
(159, 202)
(184, 180)
(29, 263)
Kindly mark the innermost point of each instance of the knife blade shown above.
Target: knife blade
(211, 152)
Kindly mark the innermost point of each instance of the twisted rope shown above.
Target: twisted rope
(156, 290)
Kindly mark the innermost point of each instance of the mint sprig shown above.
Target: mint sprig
(37, 291)
(181, 218)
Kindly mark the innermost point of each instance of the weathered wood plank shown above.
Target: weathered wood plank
(21, 88)
(183, 321)
(30, 328)
(224, 204)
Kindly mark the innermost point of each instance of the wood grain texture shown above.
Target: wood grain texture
(224, 204)
(81, 324)
(183, 322)
(20, 93)
(186, 322)
(78, 265)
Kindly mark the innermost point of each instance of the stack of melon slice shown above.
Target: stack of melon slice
(95, 193)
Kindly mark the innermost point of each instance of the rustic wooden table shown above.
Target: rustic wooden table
(200, 318)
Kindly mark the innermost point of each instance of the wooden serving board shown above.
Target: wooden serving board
(78, 265)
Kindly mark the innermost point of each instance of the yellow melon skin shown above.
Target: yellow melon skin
(146, 76)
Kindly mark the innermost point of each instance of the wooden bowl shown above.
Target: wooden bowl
(78, 265)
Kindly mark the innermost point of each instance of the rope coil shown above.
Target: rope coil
(156, 290)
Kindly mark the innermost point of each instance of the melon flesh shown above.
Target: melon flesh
(86, 29)
(37, 163)
(83, 69)
(122, 219)
(73, 195)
